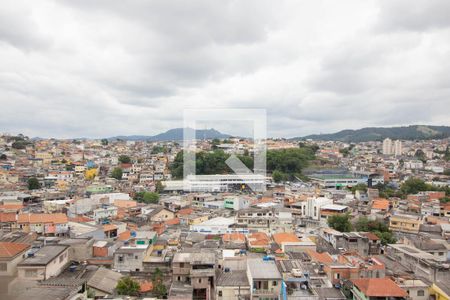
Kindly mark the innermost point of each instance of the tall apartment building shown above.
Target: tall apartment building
(398, 148)
(387, 146)
(392, 147)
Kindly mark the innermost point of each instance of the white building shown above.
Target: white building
(216, 183)
(398, 148)
(387, 146)
(311, 207)
(219, 225)
(105, 213)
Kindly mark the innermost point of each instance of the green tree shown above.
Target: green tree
(33, 183)
(150, 197)
(420, 155)
(444, 200)
(147, 197)
(386, 237)
(159, 187)
(20, 144)
(128, 286)
(117, 173)
(124, 159)
(414, 185)
(340, 222)
(159, 289)
(277, 176)
(359, 187)
(105, 142)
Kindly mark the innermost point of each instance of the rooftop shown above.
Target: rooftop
(379, 287)
(9, 250)
(233, 278)
(260, 269)
(44, 255)
(104, 280)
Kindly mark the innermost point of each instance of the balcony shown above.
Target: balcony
(264, 292)
(202, 273)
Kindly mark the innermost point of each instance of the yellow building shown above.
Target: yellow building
(438, 293)
(45, 156)
(405, 223)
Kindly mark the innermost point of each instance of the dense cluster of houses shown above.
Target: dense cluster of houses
(76, 236)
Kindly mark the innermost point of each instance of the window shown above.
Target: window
(441, 253)
(199, 280)
(120, 258)
(274, 283)
(420, 293)
(220, 293)
(3, 267)
(30, 273)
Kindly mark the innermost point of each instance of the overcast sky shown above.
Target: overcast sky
(103, 68)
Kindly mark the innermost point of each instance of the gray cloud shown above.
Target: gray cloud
(103, 68)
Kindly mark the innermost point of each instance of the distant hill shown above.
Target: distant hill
(412, 132)
(175, 134)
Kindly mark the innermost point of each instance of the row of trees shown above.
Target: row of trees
(343, 223)
(410, 186)
(284, 164)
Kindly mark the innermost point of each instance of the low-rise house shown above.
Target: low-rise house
(130, 258)
(218, 225)
(234, 240)
(103, 282)
(157, 214)
(104, 249)
(86, 230)
(405, 223)
(415, 260)
(198, 269)
(258, 241)
(415, 288)
(8, 221)
(374, 243)
(255, 218)
(232, 285)
(49, 261)
(80, 250)
(265, 279)
(47, 224)
(289, 242)
(354, 241)
(377, 289)
(380, 205)
(11, 254)
(104, 213)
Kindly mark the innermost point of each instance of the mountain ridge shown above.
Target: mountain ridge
(175, 134)
(411, 132)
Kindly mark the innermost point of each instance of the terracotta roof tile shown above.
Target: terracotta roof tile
(57, 218)
(324, 257)
(7, 217)
(382, 204)
(8, 249)
(285, 237)
(229, 237)
(379, 287)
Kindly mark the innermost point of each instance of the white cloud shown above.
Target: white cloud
(103, 68)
